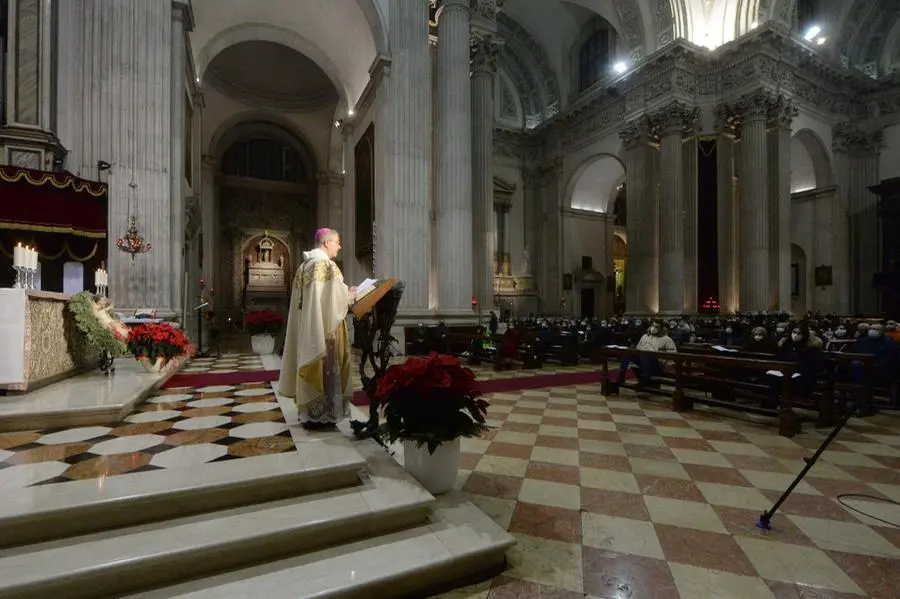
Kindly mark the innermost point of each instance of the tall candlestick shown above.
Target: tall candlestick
(18, 253)
(33, 259)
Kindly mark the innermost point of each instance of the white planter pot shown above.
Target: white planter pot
(436, 472)
(262, 344)
(154, 367)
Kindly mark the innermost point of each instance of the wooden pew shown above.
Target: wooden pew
(688, 372)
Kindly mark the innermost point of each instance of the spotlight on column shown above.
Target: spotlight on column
(812, 32)
(620, 67)
(351, 112)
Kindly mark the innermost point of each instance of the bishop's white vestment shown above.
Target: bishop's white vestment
(315, 366)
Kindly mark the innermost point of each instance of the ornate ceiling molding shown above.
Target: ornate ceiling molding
(632, 26)
(520, 42)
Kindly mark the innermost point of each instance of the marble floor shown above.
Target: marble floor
(608, 498)
(622, 498)
(174, 429)
(224, 364)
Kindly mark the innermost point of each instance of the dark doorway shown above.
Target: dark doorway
(587, 302)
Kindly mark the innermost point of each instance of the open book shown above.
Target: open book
(365, 288)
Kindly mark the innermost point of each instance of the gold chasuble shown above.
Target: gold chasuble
(315, 366)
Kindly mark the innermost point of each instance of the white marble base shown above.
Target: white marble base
(91, 398)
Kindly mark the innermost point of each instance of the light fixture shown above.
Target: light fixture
(620, 67)
(812, 32)
(338, 123)
(350, 112)
(820, 41)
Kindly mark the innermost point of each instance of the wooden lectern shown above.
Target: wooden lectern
(374, 315)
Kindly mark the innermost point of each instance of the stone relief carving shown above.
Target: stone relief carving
(853, 139)
(639, 131)
(483, 53)
(629, 13)
(782, 111)
(664, 23)
(516, 36)
(675, 117)
(507, 102)
(525, 86)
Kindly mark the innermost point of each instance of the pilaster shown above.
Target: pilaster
(208, 218)
(329, 200)
(182, 22)
(856, 165)
(781, 112)
(403, 150)
(689, 156)
(641, 143)
(754, 207)
(453, 204)
(727, 211)
(484, 50)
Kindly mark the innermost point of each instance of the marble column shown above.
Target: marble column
(329, 200)
(726, 209)
(754, 208)
(453, 148)
(484, 242)
(856, 154)
(208, 208)
(671, 121)
(781, 112)
(689, 161)
(642, 266)
(182, 22)
(403, 154)
(30, 90)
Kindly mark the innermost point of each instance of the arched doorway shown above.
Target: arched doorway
(798, 280)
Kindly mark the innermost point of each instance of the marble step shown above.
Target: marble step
(140, 557)
(459, 545)
(54, 511)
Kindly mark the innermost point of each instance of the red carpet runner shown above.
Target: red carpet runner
(502, 385)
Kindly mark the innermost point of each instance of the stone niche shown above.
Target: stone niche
(266, 270)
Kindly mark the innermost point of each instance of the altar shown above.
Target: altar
(39, 340)
(266, 264)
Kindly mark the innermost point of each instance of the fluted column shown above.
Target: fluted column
(403, 155)
(329, 203)
(754, 208)
(689, 157)
(726, 210)
(856, 160)
(208, 208)
(642, 228)
(781, 112)
(453, 204)
(672, 216)
(30, 90)
(182, 22)
(485, 243)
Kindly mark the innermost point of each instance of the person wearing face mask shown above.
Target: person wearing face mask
(883, 348)
(806, 352)
(656, 340)
(781, 331)
(892, 330)
(838, 341)
(731, 335)
(759, 342)
(862, 329)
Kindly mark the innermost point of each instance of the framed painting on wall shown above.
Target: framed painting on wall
(364, 191)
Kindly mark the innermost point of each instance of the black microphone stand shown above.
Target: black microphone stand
(200, 353)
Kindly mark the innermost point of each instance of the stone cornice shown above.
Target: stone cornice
(768, 59)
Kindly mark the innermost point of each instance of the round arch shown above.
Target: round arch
(593, 183)
(265, 32)
(811, 165)
(269, 124)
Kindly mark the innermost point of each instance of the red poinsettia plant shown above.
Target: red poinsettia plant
(430, 400)
(154, 341)
(263, 322)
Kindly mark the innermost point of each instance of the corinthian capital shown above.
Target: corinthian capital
(486, 9)
(754, 106)
(483, 52)
(782, 111)
(676, 118)
(640, 131)
(852, 139)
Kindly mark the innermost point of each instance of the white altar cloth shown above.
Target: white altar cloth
(12, 336)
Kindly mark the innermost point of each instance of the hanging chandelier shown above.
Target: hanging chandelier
(132, 242)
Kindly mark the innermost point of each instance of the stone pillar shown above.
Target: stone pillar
(329, 201)
(30, 91)
(689, 160)
(403, 149)
(856, 166)
(781, 112)
(208, 208)
(726, 211)
(484, 242)
(754, 208)
(182, 22)
(642, 266)
(672, 215)
(453, 147)
(531, 218)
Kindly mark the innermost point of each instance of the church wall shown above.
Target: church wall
(889, 161)
(588, 234)
(803, 218)
(516, 217)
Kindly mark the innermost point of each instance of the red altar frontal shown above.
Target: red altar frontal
(60, 215)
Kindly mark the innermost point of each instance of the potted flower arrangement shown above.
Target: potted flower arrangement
(155, 345)
(429, 403)
(263, 325)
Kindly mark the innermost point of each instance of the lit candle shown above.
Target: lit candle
(34, 259)
(97, 278)
(18, 255)
(105, 278)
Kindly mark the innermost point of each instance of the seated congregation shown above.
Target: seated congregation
(765, 364)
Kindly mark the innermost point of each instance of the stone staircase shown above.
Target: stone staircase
(337, 518)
